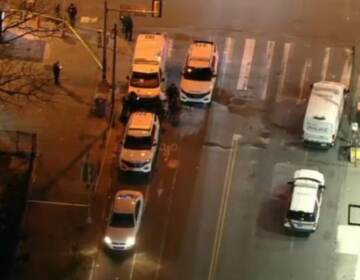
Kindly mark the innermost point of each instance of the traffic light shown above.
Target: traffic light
(156, 8)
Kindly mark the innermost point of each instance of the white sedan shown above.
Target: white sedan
(124, 220)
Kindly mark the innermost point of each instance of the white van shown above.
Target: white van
(323, 114)
(148, 78)
(303, 211)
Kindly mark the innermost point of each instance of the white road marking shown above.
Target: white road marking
(58, 203)
(346, 72)
(228, 49)
(46, 52)
(304, 77)
(246, 62)
(283, 70)
(88, 19)
(325, 63)
(348, 242)
(132, 266)
(270, 47)
(171, 48)
(223, 207)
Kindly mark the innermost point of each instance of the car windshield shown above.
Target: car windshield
(122, 220)
(138, 143)
(301, 216)
(198, 74)
(145, 80)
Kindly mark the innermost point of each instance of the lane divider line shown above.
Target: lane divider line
(223, 207)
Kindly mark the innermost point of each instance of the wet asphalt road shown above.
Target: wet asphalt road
(215, 201)
(215, 206)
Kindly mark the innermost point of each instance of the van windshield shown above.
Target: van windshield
(145, 80)
(138, 143)
(301, 216)
(198, 74)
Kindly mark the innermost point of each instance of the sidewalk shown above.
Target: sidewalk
(59, 244)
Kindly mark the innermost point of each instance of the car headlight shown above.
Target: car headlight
(130, 242)
(107, 240)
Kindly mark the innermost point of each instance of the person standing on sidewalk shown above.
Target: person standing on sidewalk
(128, 27)
(72, 12)
(123, 24)
(56, 71)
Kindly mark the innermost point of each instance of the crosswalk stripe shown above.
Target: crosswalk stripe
(284, 63)
(270, 47)
(246, 62)
(325, 63)
(171, 47)
(228, 49)
(304, 77)
(346, 72)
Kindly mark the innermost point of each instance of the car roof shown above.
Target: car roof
(324, 101)
(148, 48)
(304, 196)
(125, 201)
(200, 54)
(140, 124)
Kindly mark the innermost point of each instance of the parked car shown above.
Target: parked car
(124, 220)
(304, 206)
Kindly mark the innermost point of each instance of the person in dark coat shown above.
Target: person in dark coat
(72, 12)
(128, 27)
(123, 24)
(56, 71)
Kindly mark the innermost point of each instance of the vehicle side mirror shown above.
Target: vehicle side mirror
(311, 86)
(322, 187)
(290, 183)
(127, 77)
(346, 90)
(155, 144)
(214, 75)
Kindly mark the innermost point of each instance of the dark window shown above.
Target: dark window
(145, 80)
(198, 74)
(122, 220)
(138, 143)
(301, 216)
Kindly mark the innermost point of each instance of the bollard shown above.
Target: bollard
(99, 39)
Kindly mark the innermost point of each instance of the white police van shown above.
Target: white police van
(323, 114)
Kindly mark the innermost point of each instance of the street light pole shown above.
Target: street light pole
(104, 64)
(113, 82)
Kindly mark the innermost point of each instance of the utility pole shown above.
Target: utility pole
(104, 62)
(113, 82)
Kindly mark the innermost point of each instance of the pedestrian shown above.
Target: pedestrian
(72, 12)
(128, 27)
(56, 71)
(57, 10)
(123, 23)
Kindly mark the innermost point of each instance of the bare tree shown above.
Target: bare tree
(24, 79)
(20, 20)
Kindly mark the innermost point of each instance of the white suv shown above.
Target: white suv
(199, 75)
(140, 143)
(305, 202)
